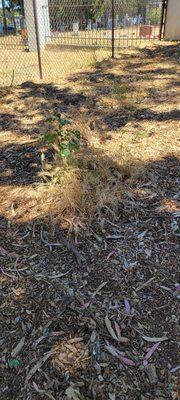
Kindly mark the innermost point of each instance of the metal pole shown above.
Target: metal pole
(37, 39)
(163, 19)
(113, 28)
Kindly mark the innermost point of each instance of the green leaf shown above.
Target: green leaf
(50, 137)
(77, 134)
(62, 134)
(49, 120)
(65, 153)
(13, 363)
(58, 117)
(63, 145)
(64, 122)
(74, 145)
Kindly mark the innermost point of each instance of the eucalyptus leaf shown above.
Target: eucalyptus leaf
(65, 153)
(13, 363)
(50, 137)
(64, 122)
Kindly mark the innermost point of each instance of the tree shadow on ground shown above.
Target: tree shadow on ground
(49, 99)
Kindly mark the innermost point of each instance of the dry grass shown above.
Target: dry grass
(127, 119)
(67, 53)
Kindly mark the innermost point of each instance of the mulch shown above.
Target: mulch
(87, 328)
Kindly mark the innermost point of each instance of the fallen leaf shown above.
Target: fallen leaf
(141, 235)
(18, 348)
(4, 252)
(175, 369)
(145, 284)
(38, 365)
(151, 352)
(127, 307)
(117, 329)
(120, 355)
(151, 373)
(99, 289)
(127, 361)
(112, 396)
(110, 329)
(43, 392)
(58, 275)
(154, 339)
(120, 339)
(112, 350)
(114, 237)
(73, 394)
(110, 254)
(37, 341)
(13, 363)
(6, 273)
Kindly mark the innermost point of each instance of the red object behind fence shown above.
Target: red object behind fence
(146, 31)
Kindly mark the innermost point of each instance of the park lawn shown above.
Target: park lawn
(89, 247)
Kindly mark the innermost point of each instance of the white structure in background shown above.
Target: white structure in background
(76, 28)
(172, 26)
(43, 21)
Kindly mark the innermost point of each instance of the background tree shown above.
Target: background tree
(4, 15)
(10, 9)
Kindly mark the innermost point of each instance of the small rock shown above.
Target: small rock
(100, 378)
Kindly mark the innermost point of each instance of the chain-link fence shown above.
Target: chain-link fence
(52, 38)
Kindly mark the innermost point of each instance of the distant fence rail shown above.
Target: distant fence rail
(50, 38)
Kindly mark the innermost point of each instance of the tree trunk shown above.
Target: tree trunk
(22, 7)
(12, 13)
(4, 16)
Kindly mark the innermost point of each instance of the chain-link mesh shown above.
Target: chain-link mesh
(17, 63)
(71, 34)
(136, 21)
(76, 35)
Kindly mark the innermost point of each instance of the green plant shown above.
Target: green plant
(154, 16)
(64, 141)
(120, 89)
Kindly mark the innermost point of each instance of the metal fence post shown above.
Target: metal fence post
(113, 29)
(163, 19)
(37, 39)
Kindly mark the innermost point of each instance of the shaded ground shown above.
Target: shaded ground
(56, 338)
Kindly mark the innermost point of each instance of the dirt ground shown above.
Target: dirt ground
(89, 284)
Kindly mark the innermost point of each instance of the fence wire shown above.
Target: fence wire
(17, 63)
(71, 35)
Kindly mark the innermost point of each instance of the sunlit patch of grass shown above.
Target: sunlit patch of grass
(103, 170)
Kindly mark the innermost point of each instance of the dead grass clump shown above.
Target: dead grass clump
(90, 182)
(70, 356)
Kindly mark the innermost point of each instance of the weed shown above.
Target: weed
(142, 134)
(119, 89)
(64, 141)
